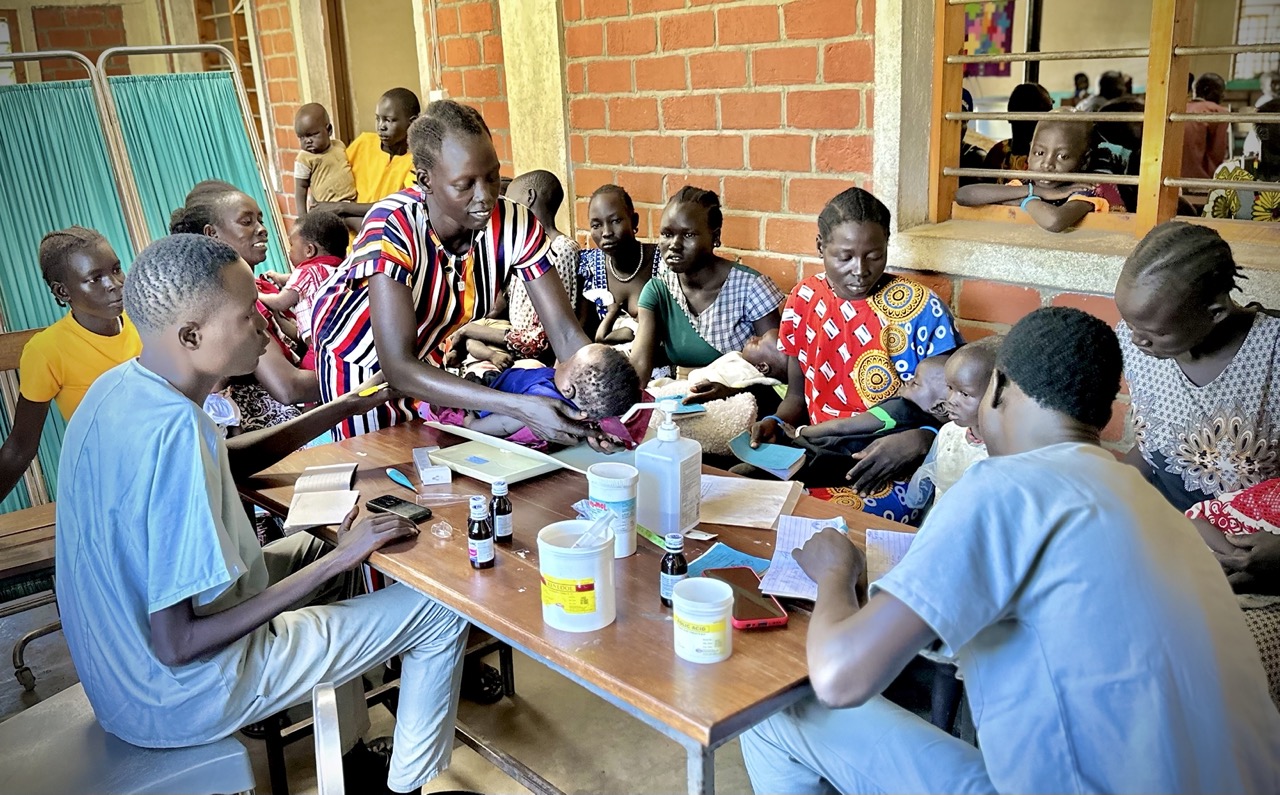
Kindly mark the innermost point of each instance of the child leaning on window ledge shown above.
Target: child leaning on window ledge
(1057, 146)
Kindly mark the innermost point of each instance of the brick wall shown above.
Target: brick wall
(471, 64)
(982, 308)
(767, 104)
(85, 29)
(279, 71)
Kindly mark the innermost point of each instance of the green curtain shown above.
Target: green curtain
(55, 173)
(181, 129)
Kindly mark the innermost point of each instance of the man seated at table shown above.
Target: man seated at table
(181, 627)
(1101, 647)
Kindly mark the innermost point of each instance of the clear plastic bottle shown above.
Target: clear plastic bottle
(500, 513)
(480, 534)
(670, 488)
(673, 568)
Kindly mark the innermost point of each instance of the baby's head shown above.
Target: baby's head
(316, 234)
(928, 387)
(599, 380)
(311, 125)
(763, 354)
(967, 373)
(1060, 146)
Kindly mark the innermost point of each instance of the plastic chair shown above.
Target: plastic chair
(58, 748)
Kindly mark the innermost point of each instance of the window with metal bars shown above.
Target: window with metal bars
(1259, 24)
(224, 22)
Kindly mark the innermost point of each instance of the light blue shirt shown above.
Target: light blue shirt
(1101, 647)
(148, 516)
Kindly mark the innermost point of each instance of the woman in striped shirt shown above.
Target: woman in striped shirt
(428, 260)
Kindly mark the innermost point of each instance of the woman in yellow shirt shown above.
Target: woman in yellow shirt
(61, 362)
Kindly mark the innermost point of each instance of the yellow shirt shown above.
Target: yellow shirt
(62, 361)
(378, 175)
(328, 173)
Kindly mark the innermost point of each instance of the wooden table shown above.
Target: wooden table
(632, 662)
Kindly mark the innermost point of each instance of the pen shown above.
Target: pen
(399, 478)
(373, 389)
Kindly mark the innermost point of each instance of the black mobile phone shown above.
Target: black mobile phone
(389, 503)
(751, 609)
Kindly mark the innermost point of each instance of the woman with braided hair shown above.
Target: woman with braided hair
(1204, 374)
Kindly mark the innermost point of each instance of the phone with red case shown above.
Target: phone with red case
(751, 609)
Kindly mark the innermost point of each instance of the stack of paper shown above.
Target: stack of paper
(743, 502)
(321, 496)
(785, 577)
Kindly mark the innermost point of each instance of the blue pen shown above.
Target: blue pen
(399, 478)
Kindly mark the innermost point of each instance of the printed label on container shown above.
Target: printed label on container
(480, 551)
(668, 582)
(502, 525)
(574, 597)
(690, 491)
(624, 512)
(701, 639)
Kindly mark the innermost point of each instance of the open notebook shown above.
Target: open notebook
(321, 496)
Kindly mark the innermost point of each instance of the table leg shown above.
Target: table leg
(702, 771)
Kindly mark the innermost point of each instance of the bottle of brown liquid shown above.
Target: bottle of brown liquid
(674, 567)
(500, 513)
(480, 534)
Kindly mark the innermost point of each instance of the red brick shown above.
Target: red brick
(843, 153)
(785, 66)
(697, 112)
(781, 152)
(741, 231)
(475, 17)
(479, 83)
(939, 283)
(492, 48)
(657, 150)
(789, 235)
(581, 41)
(576, 78)
(609, 150)
(609, 76)
(684, 31)
(588, 179)
(995, 302)
(604, 8)
(644, 187)
(451, 81)
(628, 113)
(868, 23)
(753, 194)
(972, 332)
(632, 37)
(781, 270)
(582, 216)
(586, 114)
(868, 107)
(1103, 306)
(446, 21)
(661, 74)
(63, 39)
(824, 110)
(572, 10)
(577, 149)
(752, 110)
(809, 196)
(1118, 426)
(722, 69)
(849, 62)
(502, 146)
(714, 151)
(819, 19)
(645, 6)
(747, 25)
(85, 17)
(461, 51)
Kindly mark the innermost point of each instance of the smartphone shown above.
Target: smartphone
(389, 503)
(751, 609)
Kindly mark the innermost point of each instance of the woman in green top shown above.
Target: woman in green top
(698, 306)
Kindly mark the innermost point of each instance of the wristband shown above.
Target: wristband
(1027, 201)
(775, 418)
(800, 431)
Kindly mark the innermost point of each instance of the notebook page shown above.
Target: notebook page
(884, 549)
(785, 577)
(319, 508)
(332, 477)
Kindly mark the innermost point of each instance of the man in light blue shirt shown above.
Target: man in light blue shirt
(1101, 647)
(181, 628)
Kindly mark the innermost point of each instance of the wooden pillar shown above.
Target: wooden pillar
(1171, 23)
(944, 136)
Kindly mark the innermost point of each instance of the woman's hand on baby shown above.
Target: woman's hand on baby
(707, 391)
(1254, 567)
(888, 459)
(553, 420)
(502, 359)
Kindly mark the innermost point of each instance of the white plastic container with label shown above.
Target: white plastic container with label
(670, 480)
(577, 582)
(613, 487)
(701, 615)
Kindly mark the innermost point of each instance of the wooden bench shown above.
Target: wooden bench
(26, 536)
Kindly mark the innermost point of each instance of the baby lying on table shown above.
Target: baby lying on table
(596, 380)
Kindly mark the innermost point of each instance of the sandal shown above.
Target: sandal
(481, 683)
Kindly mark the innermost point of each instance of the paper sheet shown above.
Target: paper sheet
(332, 477)
(721, 556)
(884, 549)
(785, 577)
(743, 502)
(319, 508)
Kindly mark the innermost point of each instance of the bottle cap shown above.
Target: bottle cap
(499, 488)
(479, 507)
(674, 542)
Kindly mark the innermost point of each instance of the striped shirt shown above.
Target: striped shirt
(448, 291)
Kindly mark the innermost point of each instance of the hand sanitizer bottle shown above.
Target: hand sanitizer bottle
(670, 488)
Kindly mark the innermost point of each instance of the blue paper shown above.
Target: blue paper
(721, 556)
(686, 408)
(766, 456)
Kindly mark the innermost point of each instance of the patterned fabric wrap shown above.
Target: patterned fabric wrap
(726, 325)
(594, 272)
(1252, 510)
(527, 336)
(1249, 205)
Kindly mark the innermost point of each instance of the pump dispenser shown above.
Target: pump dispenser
(670, 466)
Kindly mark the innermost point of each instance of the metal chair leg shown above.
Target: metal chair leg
(506, 663)
(20, 669)
(275, 755)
